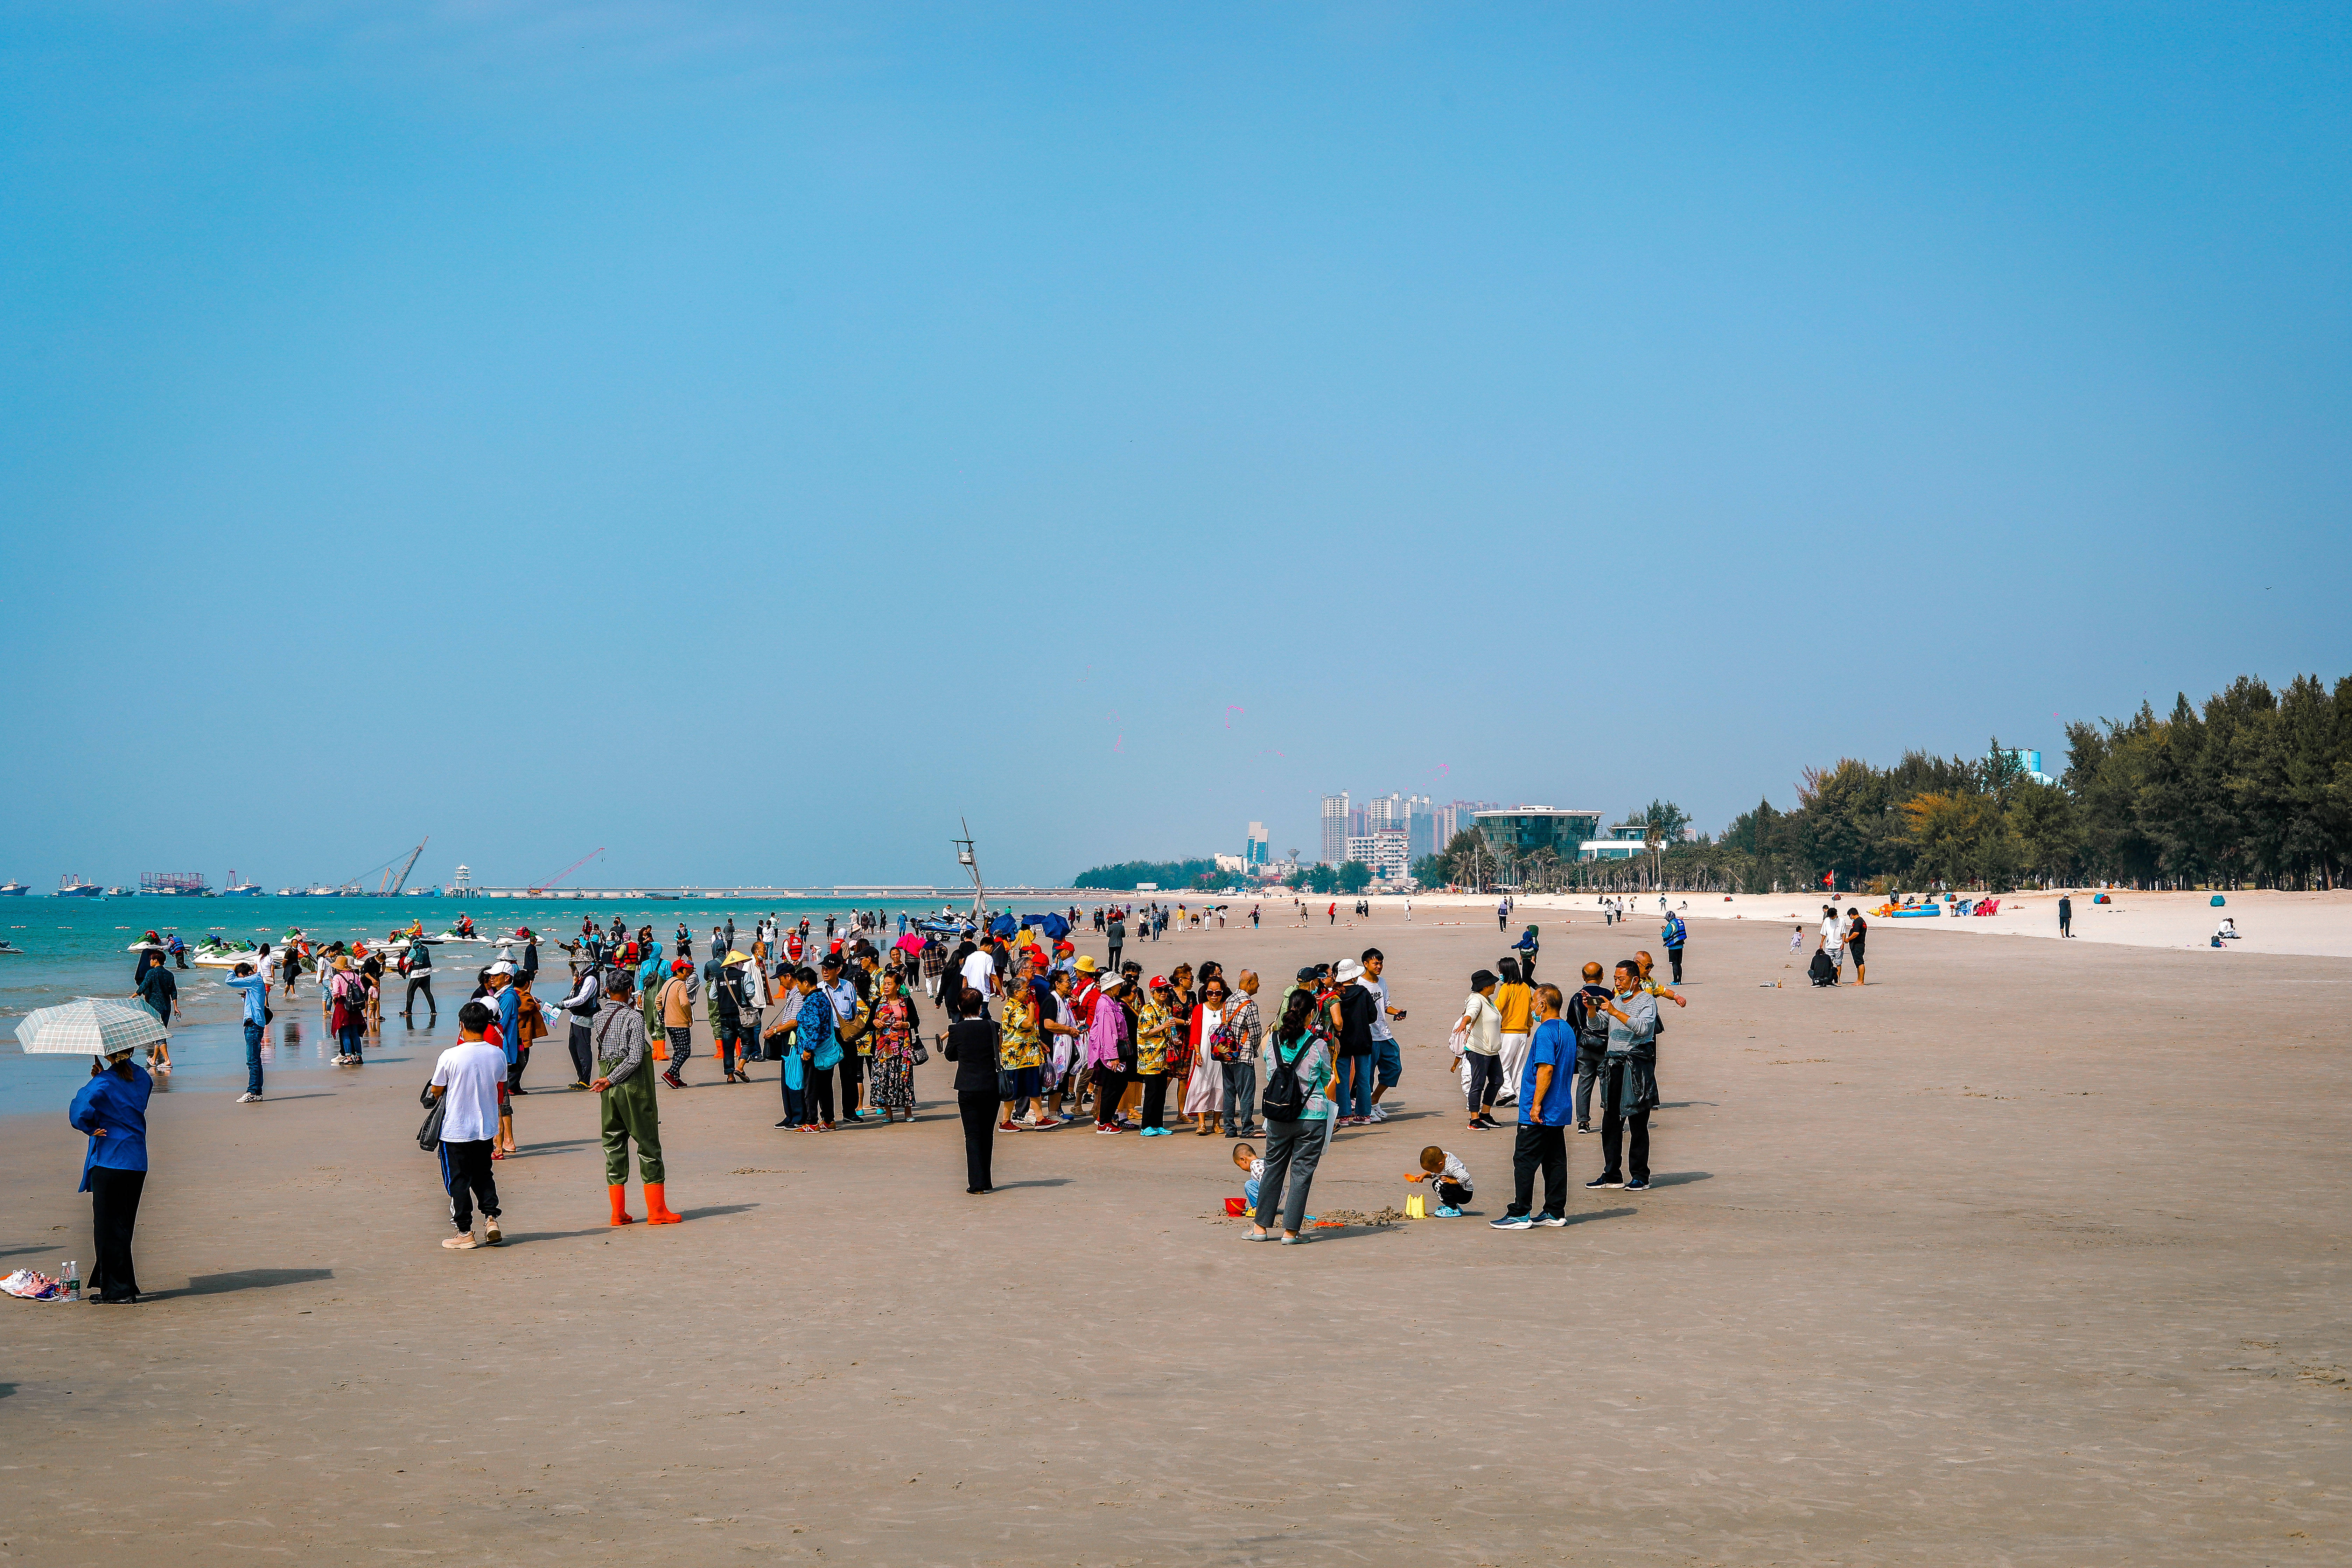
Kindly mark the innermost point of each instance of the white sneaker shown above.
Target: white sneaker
(248, 1099)
(1377, 1114)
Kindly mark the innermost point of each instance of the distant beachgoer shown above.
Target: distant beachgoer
(420, 978)
(347, 1011)
(161, 991)
(2065, 915)
(1857, 930)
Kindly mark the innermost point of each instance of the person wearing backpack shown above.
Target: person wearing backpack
(1298, 1111)
(1592, 1026)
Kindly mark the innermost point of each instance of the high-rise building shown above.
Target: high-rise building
(1420, 826)
(1255, 853)
(1454, 817)
(1383, 852)
(1334, 847)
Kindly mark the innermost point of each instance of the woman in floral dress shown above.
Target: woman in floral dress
(893, 1089)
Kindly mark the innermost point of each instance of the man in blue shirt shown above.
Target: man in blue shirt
(256, 1016)
(1547, 1095)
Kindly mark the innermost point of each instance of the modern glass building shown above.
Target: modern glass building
(1518, 831)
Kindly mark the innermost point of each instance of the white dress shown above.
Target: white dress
(1205, 1087)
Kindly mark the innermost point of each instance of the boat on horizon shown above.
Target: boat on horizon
(118, 893)
(13, 890)
(237, 889)
(71, 886)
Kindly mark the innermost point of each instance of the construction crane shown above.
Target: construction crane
(396, 883)
(567, 871)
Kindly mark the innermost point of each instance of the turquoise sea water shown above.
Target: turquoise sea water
(78, 947)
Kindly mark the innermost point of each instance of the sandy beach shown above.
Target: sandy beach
(2316, 925)
(2027, 1253)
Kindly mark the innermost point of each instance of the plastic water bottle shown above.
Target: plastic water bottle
(73, 1276)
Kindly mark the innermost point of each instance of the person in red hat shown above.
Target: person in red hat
(677, 997)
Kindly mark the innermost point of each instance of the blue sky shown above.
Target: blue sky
(752, 438)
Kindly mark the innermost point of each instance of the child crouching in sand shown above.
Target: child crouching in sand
(1252, 1168)
(1449, 1175)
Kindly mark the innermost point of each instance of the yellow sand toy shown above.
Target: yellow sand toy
(1417, 1206)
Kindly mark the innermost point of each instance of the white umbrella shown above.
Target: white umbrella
(89, 1026)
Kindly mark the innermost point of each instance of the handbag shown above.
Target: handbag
(1008, 1084)
(428, 1135)
(922, 1054)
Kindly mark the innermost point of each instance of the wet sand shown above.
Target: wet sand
(2027, 1253)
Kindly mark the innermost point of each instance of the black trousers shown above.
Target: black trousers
(1675, 957)
(466, 1171)
(853, 1073)
(1110, 1083)
(419, 982)
(1486, 1080)
(819, 1092)
(579, 1045)
(1114, 957)
(113, 1214)
(1544, 1148)
(1637, 1156)
(1155, 1098)
(979, 1109)
(1452, 1195)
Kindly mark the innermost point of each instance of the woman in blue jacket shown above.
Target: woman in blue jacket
(112, 1108)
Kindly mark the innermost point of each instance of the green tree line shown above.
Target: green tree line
(2255, 789)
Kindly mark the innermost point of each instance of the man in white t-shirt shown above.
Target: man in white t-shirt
(468, 1080)
(980, 969)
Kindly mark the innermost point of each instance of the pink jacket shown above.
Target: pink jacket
(1103, 1034)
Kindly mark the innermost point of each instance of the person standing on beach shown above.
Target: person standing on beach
(347, 1011)
(1674, 934)
(971, 1045)
(161, 991)
(1115, 935)
(1545, 1095)
(1590, 1026)
(2065, 915)
(420, 978)
(1628, 1087)
(257, 1019)
(1516, 1004)
(678, 1020)
(628, 1112)
(112, 1108)
(1387, 1058)
(1857, 930)
(1481, 1030)
(469, 1080)
(581, 1008)
(1297, 1130)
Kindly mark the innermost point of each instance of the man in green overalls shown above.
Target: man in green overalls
(624, 1078)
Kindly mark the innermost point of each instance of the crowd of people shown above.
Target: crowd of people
(1039, 1036)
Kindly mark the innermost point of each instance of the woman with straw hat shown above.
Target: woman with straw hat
(112, 1108)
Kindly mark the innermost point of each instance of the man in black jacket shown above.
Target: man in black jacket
(972, 1045)
(1592, 1026)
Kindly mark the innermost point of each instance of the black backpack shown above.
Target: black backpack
(1284, 1099)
